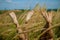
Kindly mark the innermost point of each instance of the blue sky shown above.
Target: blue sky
(28, 4)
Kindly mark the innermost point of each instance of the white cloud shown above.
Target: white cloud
(8, 0)
(12, 2)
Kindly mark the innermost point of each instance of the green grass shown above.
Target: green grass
(8, 31)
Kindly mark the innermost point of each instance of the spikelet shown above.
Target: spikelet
(29, 15)
(13, 16)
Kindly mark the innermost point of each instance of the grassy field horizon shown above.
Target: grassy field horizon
(36, 24)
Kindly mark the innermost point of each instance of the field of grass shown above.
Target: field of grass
(34, 25)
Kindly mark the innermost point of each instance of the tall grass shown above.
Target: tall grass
(33, 26)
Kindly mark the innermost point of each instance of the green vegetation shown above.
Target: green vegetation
(35, 24)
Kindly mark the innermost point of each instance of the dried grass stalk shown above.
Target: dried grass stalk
(19, 30)
(30, 13)
(49, 34)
